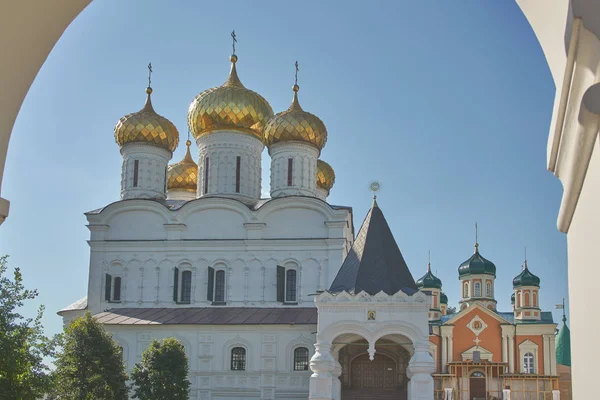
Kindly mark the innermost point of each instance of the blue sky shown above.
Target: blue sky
(447, 104)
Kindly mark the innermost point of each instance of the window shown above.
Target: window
(301, 359)
(136, 167)
(216, 286)
(518, 299)
(526, 299)
(488, 289)
(477, 374)
(112, 288)
(477, 289)
(238, 359)
(287, 285)
(206, 165)
(290, 171)
(166, 175)
(238, 162)
(290, 285)
(534, 299)
(466, 289)
(182, 286)
(528, 363)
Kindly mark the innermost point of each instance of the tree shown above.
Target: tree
(451, 310)
(90, 366)
(163, 372)
(23, 346)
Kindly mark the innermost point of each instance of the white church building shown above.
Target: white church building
(272, 298)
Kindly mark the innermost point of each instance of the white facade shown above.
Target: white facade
(144, 171)
(293, 169)
(229, 163)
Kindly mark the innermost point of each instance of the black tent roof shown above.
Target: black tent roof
(375, 262)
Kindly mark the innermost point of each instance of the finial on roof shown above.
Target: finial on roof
(429, 261)
(233, 42)
(148, 105)
(375, 186)
(476, 239)
(295, 106)
(233, 80)
(525, 261)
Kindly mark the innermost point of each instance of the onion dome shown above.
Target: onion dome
(146, 126)
(429, 280)
(476, 265)
(443, 298)
(526, 278)
(512, 298)
(184, 174)
(229, 107)
(295, 124)
(325, 176)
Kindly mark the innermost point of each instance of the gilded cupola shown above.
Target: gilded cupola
(229, 107)
(325, 176)
(183, 176)
(146, 126)
(296, 125)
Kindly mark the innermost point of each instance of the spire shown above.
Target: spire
(374, 263)
(188, 156)
(295, 106)
(233, 80)
(148, 105)
(374, 205)
(476, 239)
(525, 261)
(429, 261)
(563, 340)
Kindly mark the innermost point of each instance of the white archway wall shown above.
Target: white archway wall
(36, 26)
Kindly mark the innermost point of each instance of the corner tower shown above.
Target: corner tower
(227, 123)
(431, 283)
(147, 141)
(477, 276)
(527, 302)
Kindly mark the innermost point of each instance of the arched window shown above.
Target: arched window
(238, 359)
(301, 359)
(477, 374)
(220, 286)
(112, 288)
(518, 299)
(186, 286)
(488, 289)
(534, 299)
(477, 289)
(466, 289)
(526, 299)
(290, 285)
(528, 363)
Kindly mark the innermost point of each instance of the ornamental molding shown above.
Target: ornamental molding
(382, 299)
(477, 325)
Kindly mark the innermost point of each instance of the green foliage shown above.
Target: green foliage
(451, 310)
(23, 374)
(90, 366)
(163, 372)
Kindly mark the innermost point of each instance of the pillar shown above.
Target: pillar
(322, 365)
(419, 371)
(337, 385)
(511, 354)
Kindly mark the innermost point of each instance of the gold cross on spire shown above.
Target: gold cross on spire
(149, 74)
(234, 40)
(297, 69)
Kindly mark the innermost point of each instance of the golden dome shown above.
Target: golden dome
(325, 176)
(184, 174)
(295, 124)
(146, 126)
(230, 106)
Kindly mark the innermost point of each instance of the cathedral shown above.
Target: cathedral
(278, 298)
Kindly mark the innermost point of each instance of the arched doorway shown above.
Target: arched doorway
(477, 386)
(381, 373)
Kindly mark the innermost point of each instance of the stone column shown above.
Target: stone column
(552, 355)
(337, 385)
(444, 350)
(511, 354)
(419, 371)
(322, 365)
(546, 348)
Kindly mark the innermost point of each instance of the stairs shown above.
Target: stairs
(373, 394)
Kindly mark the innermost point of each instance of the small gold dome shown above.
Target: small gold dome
(295, 124)
(146, 126)
(230, 106)
(184, 174)
(325, 176)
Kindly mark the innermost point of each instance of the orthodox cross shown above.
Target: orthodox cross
(476, 341)
(149, 74)
(234, 40)
(476, 234)
(297, 69)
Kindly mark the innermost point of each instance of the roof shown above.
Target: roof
(509, 316)
(429, 280)
(209, 316)
(374, 263)
(476, 264)
(526, 278)
(80, 304)
(563, 345)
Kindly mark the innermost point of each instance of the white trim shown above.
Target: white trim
(528, 347)
(484, 353)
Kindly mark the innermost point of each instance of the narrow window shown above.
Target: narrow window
(220, 286)
(528, 363)
(290, 285)
(526, 299)
(116, 289)
(290, 171)
(166, 174)
(186, 286)
(136, 167)
(301, 359)
(477, 289)
(238, 359)
(518, 299)
(107, 283)
(488, 289)
(466, 290)
(534, 299)
(238, 162)
(206, 165)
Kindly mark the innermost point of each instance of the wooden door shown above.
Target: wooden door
(477, 386)
(381, 373)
